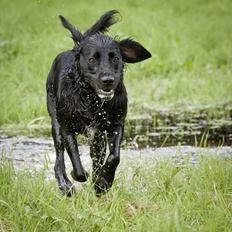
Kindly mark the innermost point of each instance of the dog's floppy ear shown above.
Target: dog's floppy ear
(133, 51)
(106, 20)
(76, 34)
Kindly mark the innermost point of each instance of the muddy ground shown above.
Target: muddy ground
(38, 153)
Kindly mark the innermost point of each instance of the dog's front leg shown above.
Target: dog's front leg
(78, 173)
(106, 176)
(64, 183)
(98, 153)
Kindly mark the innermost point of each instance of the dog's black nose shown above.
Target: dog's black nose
(107, 80)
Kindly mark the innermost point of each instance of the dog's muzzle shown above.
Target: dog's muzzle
(106, 92)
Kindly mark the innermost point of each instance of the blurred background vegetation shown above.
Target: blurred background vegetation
(191, 44)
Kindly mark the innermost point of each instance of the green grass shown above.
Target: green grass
(148, 197)
(191, 44)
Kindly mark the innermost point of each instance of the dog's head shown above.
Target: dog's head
(101, 58)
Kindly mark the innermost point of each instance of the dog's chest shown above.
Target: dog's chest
(94, 117)
(84, 109)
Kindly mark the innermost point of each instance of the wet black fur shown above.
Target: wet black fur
(75, 107)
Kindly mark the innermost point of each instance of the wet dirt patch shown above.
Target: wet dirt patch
(39, 153)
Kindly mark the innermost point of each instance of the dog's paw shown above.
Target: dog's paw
(101, 186)
(67, 189)
(80, 177)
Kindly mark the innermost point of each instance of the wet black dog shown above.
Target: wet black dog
(86, 94)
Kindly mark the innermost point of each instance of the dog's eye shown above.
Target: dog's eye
(92, 60)
(115, 59)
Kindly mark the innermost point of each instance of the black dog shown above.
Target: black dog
(86, 94)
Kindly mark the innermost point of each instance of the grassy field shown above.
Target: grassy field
(191, 65)
(191, 44)
(161, 197)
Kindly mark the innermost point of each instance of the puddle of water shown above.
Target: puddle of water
(209, 126)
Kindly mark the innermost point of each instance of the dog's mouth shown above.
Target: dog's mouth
(105, 95)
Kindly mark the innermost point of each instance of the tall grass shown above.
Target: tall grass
(191, 44)
(149, 197)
